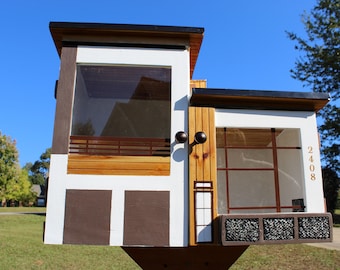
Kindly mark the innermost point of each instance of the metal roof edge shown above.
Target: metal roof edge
(258, 99)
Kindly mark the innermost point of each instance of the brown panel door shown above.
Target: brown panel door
(87, 217)
(146, 218)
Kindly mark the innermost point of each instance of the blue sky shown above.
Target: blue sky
(245, 47)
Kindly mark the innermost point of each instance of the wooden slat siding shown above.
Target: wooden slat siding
(192, 165)
(206, 146)
(118, 165)
(198, 149)
(198, 83)
(202, 162)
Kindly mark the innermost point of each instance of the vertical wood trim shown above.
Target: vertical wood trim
(64, 104)
(202, 163)
(206, 146)
(198, 149)
(196, 123)
(192, 177)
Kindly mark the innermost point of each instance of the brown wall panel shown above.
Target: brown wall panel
(65, 91)
(146, 218)
(87, 217)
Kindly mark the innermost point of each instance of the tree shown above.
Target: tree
(319, 68)
(19, 189)
(331, 184)
(38, 172)
(8, 163)
(14, 184)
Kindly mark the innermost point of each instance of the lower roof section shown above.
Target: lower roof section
(258, 100)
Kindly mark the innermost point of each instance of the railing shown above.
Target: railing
(113, 146)
(293, 208)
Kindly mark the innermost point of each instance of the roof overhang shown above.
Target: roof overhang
(258, 100)
(103, 34)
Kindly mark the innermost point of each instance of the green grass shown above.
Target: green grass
(21, 247)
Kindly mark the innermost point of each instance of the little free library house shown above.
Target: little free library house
(180, 175)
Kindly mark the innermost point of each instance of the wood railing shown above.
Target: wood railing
(113, 146)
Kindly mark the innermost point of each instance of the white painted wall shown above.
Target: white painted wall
(305, 122)
(176, 183)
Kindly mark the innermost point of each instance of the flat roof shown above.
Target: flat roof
(104, 34)
(258, 99)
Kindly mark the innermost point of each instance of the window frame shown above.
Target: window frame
(275, 168)
(178, 60)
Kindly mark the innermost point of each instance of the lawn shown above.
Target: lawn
(21, 247)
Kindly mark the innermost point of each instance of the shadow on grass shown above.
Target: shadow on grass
(37, 213)
(336, 220)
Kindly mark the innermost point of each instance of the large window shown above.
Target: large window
(259, 170)
(121, 110)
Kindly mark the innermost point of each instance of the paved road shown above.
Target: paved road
(333, 245)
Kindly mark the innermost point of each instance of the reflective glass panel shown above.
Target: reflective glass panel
(130, 104)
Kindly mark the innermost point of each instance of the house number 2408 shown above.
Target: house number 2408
(311, 163)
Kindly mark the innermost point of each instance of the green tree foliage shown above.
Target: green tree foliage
(331, 184)
(83, 128)
(8, 163)
(14, 183)
(19, 189)
(38, 172)
(319, 68)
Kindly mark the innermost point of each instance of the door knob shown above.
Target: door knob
(200, 137)
(181, 137)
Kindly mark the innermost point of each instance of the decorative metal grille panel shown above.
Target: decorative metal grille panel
(314, 228)
(244, 230)
(277, 228)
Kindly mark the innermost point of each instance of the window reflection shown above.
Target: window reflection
(259, 170)
(122, 102)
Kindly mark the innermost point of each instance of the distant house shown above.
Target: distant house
(40, 190)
